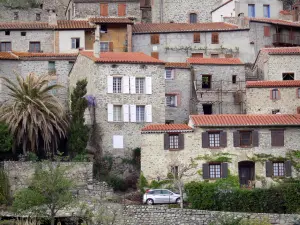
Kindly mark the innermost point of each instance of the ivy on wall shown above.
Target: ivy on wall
(187, 48)
(217, 157)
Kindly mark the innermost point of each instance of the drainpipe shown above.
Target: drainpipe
(97, 42)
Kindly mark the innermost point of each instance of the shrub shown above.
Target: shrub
(4, 188)
(142, 183)
(117, 183)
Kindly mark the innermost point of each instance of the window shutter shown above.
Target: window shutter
(269, 169)
(205, 140)
(255, 138)
(166, 142)
(132, 85)
(154, 39)
(277, 137)
(236, 139)
(288, 168)
(224, 170)
(292, 35)
(111, 46)
(223, 139)
(121, 9)
(196, 37)
(148, 113)
(126, 113)
(132, 113)
(125, 83)
(155, 55)
(181, 141)
(215, 38)
(110, 112)
(267, 31)
(103, 9)
(298, 110)
(205, 171)
(148, 85)
(109, 84)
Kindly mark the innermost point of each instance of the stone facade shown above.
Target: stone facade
(97, 78)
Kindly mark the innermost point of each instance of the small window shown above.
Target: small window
(277, 138)
(169, 122)
(117, 84)
(53, 81)
(207, 109)
(171, 100)
(174, 171)
(23, 33)
(288, 76)
(193, 18)
(155, 55)
(103, 29)
(154, 39)
(104, 46)
(121, 9)
(140, 113)
(140, 85)
(197, 55)
(51, 68)
(34, 47)
(214, 55)
(7, 32)
(278, 169)
(267, 32)
(214, 139)
(228, 56)
(266, 11)
(169, 74)
(16, 15)
(275, 94)
(37, 16)
(298, 92)
(5, 46)
(103, 9)
(275, 111)
(251, 10)
(174, 141)
(234, 79)
(245, 138)
(118, 141)
(215, 38)
(117, 113)
(75, 43)
(196, 37)
(214, 171)
(206, 81)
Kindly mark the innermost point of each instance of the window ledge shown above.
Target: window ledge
(175, 149)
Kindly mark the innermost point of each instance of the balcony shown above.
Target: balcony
(285, 40)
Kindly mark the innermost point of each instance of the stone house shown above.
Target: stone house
(176, 42)
(179, 103)
(82, 9)
(265, 97)
(219, 84)
(129, 91)
(219, 144)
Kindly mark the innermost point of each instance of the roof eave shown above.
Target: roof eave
(245, 125)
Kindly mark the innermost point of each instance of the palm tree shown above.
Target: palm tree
(33, 114)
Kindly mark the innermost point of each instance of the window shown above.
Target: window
(104, 46)
(278, 169)
(121, 9)
(267, 32)
(275, 94)
(5, 47)
(53, 81)
(169, 74)
(288, 76)
(118, 141)
(214, 55)
(34, 47)
(234, 79)
(174, 171)
(215, 38)
(251, 10)
(169, 121)
(291, 35)
(245, 138)
(23, 33)
(277, 137)
(215, 170)
(103, 29)
(16, 15)
(275, 111)
(51, 68)
(155, 55)
(103, 9)
(197, 55)
(228, 56)
(75, 43)
(70, 65)
(207, 109)
(174, 141)
(140, 113)
(196, 37)
(206, 81)
(171, 100)
(214, 139)
(7, 32)
(37, 16)
(139, 85)
(266, 11)
(154, 39)
(117, 113)
(298, 92)
(193, 18)
(117, 84)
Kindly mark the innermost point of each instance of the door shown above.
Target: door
(246, 173)
(159, 198)
(166, 196)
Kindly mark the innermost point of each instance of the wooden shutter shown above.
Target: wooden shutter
(224, 170)
(132, 113)
(148, 85)
(269, 169)
(228, 56)
(292, 35)
(125, 82)
(148, 109)
(255, 138)
(288, 168)
(205, 141)
(154, 39)
(236, 139)
(132, 85)
(181, 141)
(155, 55)
(267, 32)
(215, 38)
(111, 46)
(205, 171)
(109, 84)
(223, 139)
(277, 137)
(121, 9)
(197, 55)
(298, 110)
(110, 112)
(126, 113)
(196, 37)
(103, 9)
(166, 142)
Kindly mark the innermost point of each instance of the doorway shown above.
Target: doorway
(207, 109)
(246, 173)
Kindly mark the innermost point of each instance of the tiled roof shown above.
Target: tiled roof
(275, 22)
(231, 120)
(122, 57)
(73, 24)
(7, 55)
(181, 27)
(282, 50)
(97, 1)
(24, 26)
(285, 12)
(225, 3)
(267, 83)
(167, 128)
(22, 55)
(215, 61)
(177, 65)
(110, 20)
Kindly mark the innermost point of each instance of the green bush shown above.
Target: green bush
(4, 188)
(142, 183)
(117, 183)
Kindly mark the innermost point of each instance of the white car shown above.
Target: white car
(160, 196)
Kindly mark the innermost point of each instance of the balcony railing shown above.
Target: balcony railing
(286, 39)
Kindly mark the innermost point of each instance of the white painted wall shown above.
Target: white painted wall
(65, 43)
(224, 11)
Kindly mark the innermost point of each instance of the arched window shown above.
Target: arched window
(193, 18)
(275, 94)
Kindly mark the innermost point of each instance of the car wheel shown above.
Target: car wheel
(150, 201)
(178, 201)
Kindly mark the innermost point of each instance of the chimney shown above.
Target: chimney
(97, 42)
(241, 20)
(52, 18)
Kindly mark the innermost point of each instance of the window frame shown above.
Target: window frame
(214, 133)
(251, 6)
(234, 79)
(75, 39)
(215, 167)
(139, 116)
(267, 31)
(117, 113)
(23, 33)
(280, 166)
(175, 100)
(215, 38)
(16, 15)
(138, 84)
(269, 11)
(38, 17)
(104, 42)
(173, 142)
(117, 85)
(6, 44)
(7, 32)
(250, 140)
(298, 92)
(196, 37)
(214, 56)
(275, 94)
(171, 73)
(285, 74)
(209, 83)
(35, 44)
(193, 17)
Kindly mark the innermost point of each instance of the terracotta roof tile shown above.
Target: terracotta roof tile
(73, 24)
(265, 84)
(181, 27)
(167, 127)
(275, 22)
(110, 20)
(283, 50)
(177, 65)
(24, 26)
(7, 55)
(215, 61)
(231, 120)
(122, 57)
(22, 55)
(285, 12)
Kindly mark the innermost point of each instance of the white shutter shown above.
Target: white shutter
(132, 85)
(148, 85)
(126, 113)
(149, 113)
(133, 113)
(109, 84)
(125, 85)
(173, 73)
(118, 141)
(110, 112)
